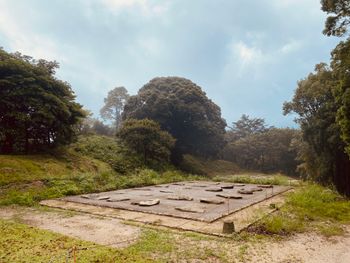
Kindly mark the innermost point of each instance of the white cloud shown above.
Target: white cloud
(145, 6)
(242, 59)
(291, 46)
(246, 55)
(20, 38)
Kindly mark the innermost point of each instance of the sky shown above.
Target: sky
(247, 55)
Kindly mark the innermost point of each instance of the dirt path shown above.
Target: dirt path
(104, 231)
(300, 248)
(308, 248)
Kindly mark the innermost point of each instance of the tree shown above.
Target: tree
(268, 151)
(246, 126)
(315, 103)
(341, 66)
(146, 138)
(338, 16)
(182, 109)
(114, 105)
(37, 110)
(95, 126)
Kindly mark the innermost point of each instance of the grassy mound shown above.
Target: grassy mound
(21, 169)
(108, 150)
(196, 165)
(26, 180)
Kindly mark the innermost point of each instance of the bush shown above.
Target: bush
(147, 139)
(109, 150)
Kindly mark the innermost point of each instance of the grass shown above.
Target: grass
(254, 178)
(93, 164)
(108, 150)
(196, 165)
(21, 169)
(21, 243)
(311, 207)
(54, 187)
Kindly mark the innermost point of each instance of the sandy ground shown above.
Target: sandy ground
(101, 230)
(306, 248)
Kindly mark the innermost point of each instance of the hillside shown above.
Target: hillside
(93, 164)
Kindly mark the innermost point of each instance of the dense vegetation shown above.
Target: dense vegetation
(182, 109)
(147, 139)
(253, 145)
(322, 103)
(37, 110)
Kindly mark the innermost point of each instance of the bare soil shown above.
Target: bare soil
(100, 230)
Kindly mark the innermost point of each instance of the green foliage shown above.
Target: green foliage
(19, 242)
(340, 65)
(246, 178)
(337, 23)
(92, 126)
(316, 202)
(262, 149)
(197, 165)
(37, 110)
(182, 109)
(109, 150)
(114, 105)
(26, 180)
(246, 126)
(321, 146)
(311, 207)
(147, 139)
(18, 170)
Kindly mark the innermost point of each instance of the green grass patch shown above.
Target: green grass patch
(109, 150)
(32, 193)
(21, 169)
(268, 179)
(311, 207)
(21, 243)
(197, 165)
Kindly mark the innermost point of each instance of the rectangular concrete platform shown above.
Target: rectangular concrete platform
(189, 195)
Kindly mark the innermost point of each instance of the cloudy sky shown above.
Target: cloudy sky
(247, 55)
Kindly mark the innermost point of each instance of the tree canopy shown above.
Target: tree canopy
(253, 145)
(246, 126)
(321, 147)
(114, 105)
(338, 16)
(36, 108)
(146, 138)
(182, 109)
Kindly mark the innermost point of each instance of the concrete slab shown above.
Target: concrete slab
(242, 218)
(128, 199)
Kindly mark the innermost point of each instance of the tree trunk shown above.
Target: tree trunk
(342, 173)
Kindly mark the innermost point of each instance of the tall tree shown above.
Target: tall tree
(316, 105)
(37, 110)
(114, 105)
(182, 109)
(246, 126)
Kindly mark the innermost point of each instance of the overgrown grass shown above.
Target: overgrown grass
(31, 194)
(196, 165)
(250, 178)
(21, 169)
(21, 243)
(311, 207)
(109, 150)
